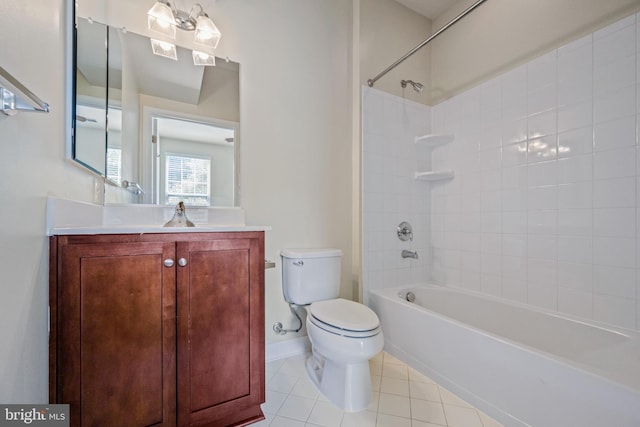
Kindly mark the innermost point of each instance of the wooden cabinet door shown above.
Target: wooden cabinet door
(116, 361)
(221, 330)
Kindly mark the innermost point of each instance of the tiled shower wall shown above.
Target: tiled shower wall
(390, 194)
(543, 208)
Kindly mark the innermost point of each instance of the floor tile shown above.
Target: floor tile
(394, 370)
(392, 404)
(359, 419)
(279, 421)
(424, 391)
(425, 410)
(305, 388)
(394, 386)
(458, 416)
(274, 401)
(401, 397)
(325, 414)
(385, 420)
(296, 407)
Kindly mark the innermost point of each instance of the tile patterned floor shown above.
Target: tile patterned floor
(402, 397)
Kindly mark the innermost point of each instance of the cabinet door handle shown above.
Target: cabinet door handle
(168, 262)
(182, 262)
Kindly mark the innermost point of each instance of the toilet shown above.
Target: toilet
(344, 334)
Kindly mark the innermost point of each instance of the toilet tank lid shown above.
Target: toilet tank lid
(311, 253)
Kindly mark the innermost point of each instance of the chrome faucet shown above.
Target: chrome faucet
(409, 254)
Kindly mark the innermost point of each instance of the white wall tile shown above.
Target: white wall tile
(575, 142)
(615, 281)
(614, 193)
(542, 149)
(542, 222)
(614, 251)
(514, 131)
(614, 222)
(576, 276)
(575, 169)
(612, 43)
(542, 197)
(514, 154)
(542, 247)
(618, 133)
(542, 124)
(514, 245)
(542, 174)
(614, 163)
(575, 222)
(615, 105)
(514, 222)
(575, 116)
(614, 76)
(577, 249)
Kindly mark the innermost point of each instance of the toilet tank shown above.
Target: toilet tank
(310, 275)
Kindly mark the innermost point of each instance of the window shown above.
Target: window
(187, 180)
(114, 164)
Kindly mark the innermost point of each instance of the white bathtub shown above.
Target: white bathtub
(522, 366)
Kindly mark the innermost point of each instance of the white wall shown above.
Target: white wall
(296, 152)
(32, 167)
(543, 208)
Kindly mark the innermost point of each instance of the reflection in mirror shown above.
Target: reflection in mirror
(194, 161)
(191, 112)
(89, 137)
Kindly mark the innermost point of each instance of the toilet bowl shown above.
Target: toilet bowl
(339, 364)
(344, 334)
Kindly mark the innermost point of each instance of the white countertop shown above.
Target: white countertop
(68, 217)
(141, 229)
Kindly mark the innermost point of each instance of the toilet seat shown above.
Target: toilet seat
(345, 318)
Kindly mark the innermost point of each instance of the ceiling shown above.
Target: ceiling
(432, 9)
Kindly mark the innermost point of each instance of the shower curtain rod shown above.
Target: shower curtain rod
(370, 82)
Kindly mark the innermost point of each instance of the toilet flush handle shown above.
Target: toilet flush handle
(298, 263)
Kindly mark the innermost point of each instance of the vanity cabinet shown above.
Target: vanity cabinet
(158, 329)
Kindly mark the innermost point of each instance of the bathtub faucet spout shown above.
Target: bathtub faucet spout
(409, 254)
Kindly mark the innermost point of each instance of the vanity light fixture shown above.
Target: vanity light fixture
(166, 49)
(164, 17)
(203, 58)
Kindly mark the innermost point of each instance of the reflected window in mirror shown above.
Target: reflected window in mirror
(194, 161)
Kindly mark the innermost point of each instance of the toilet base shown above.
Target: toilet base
(347, 386)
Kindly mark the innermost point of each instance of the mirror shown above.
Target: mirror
(158, 130)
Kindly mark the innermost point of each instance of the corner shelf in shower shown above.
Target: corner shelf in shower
(434, 175)
(432, 141)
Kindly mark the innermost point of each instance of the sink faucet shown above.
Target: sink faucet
(180, 218)
(409, 254)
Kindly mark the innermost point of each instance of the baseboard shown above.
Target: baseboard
(287, 348)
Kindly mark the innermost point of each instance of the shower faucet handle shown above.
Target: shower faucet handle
(405, 231)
